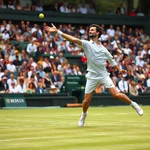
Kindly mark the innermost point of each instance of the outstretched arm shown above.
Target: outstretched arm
(120, 70)
(66, 36)
(114, 64)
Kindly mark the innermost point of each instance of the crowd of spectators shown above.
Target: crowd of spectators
(133, 12)
(16, 5)
(131, 50)
(33, 60)
(66, 7)
(57, 7)
(121, 11)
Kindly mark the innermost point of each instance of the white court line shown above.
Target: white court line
(113, 113)
(122, 113)
(101, 134)
(50, 115)
(59, 115)
(98, 114)
(44, 137)
(34, 138)
(56, 137)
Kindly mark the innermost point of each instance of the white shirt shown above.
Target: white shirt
(104, 37)
(97, 56)
(9, 81)
(29, 75)
(61, 48)
(140, 14)
(5, 36)
(59, 68)
(143, 52)
(140, 63)
(34, 64)
(12, 89)
(21, 89)
(114, 44)
(123, 85)
(11, 6)
(82, 31)
(1, 74)
(46, 65)
(75, 72)
(137, 59)
(122, 11)
(2, 28)
(148, 83)
(83, 10)
(38, 8)
(11, 67)
(33, 30)
(111, 32)
(64, 9)
(31, 48)
(127, 51)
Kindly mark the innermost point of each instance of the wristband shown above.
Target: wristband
(59, 32)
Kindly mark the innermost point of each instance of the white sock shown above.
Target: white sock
(83, 113)
(132, 103)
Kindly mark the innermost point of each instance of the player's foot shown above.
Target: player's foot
(138, 109)
(82, 119)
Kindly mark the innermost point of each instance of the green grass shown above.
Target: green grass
(106, 128)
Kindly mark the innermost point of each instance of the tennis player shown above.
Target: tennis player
(97, 55)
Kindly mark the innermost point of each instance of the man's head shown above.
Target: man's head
(39, 84)
(140, 82)
(4, 79)
(21, 80)
(11, 76)
(95, 30)
(13, 84)
(121, 4)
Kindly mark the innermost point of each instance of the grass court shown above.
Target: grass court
(106, 128)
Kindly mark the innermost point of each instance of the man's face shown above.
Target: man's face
(4, 80)
(12, 84)
(92, 32)
(39, 85)
(12, 76)
(21, 81)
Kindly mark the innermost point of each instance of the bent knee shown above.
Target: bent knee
(116, 95)
(86, 100)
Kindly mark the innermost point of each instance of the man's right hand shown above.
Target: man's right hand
(51, 29)
(123, 71)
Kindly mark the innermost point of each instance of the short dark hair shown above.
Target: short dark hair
(32, 76)
(98, 28)
(139, 81)
(21, 80)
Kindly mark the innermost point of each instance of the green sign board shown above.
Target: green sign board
(74, 82)
(14, 100)
(75, 85)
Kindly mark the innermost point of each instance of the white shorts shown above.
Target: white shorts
(91, 84)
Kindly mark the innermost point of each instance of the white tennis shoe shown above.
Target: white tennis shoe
(138, 109)
(82, 119)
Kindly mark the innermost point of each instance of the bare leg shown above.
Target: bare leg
(86, 101)
(126, 99)
(85, 106)
(119, 96)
